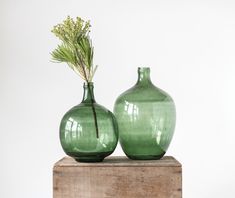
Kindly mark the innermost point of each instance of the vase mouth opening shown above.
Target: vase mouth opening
(85, 84)
(143, 69)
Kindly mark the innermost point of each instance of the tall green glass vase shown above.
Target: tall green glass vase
(146, 119)
(88, 131)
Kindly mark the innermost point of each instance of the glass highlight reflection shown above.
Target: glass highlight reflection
(78, 133)
(146, 119)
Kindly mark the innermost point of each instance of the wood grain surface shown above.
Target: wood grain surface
(118, 177)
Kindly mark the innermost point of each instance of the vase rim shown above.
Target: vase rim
(143, 68)
(85, 84)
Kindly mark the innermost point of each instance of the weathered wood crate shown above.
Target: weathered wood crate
(118, 177)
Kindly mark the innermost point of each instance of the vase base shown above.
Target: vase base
(145, 157)
(89, 159)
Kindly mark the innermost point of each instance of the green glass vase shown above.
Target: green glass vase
(146, 119)
(88, 131)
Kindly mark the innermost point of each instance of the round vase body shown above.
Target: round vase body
(146, 119)
(79, 136)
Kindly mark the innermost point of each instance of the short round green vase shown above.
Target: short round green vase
(146, 119)
(82, 138)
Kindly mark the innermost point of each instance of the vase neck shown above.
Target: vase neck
(88, 94)
(144, 76)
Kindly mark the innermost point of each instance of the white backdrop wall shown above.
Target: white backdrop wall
(190, 47)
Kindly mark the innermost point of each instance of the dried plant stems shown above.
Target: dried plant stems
(77, 51)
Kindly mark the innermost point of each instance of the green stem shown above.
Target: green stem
(92, 103)
(94, 112)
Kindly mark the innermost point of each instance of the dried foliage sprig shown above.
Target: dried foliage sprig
(76, 48)
(77, 51)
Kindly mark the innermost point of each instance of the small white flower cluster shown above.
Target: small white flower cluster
(76, 49)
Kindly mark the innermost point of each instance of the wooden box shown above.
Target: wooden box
(118, 177)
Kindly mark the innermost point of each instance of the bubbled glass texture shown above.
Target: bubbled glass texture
(146, 119)
(78, 132)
